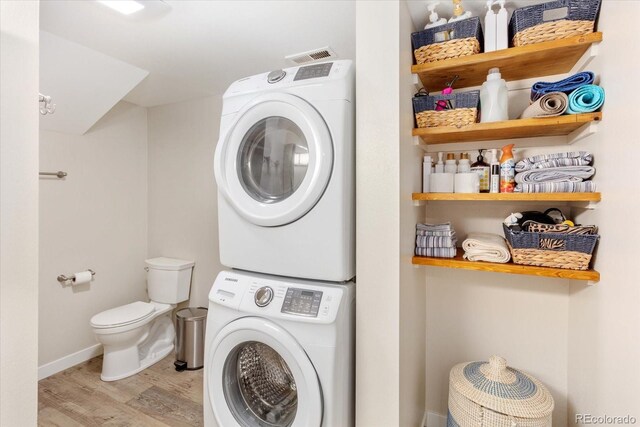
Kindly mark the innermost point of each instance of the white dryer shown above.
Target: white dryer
(285, 170)
(279, 353)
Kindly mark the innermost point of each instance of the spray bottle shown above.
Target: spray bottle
(507, 170)
(494, 181)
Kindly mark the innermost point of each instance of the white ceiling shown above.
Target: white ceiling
(197, 48)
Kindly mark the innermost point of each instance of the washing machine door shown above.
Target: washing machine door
(275, 161)
(258, 375)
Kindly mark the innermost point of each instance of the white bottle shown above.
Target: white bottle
(464, 166)
(494, 179)
(426, 174)
(494, 98)
(502, 28)
(435, 21)
(490, 28)
(458, 12)
(450, 165)
(440, 164)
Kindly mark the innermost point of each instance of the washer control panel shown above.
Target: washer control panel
(302, 302)
(263, 296)
(313, 71)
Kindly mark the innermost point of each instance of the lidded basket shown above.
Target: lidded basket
(495, 395)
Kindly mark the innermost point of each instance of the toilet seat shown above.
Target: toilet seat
(123, 315)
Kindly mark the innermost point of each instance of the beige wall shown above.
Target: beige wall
(95, 218)
(183, 219)
(18, 213)
(604, 320)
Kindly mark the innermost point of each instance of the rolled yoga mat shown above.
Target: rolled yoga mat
(566, 86)
(586, 99)
(551, 104)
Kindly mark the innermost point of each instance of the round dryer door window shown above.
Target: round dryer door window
(258, 375)
(275, 161)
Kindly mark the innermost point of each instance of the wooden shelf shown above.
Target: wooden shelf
(516, 63)
(520, 128)
(510, 268)
(513, 197)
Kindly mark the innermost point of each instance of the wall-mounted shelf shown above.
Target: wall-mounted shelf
(459, 262)
(513, 197)
(516, 63)
(520, 128)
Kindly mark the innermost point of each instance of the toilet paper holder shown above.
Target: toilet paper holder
(70, 280)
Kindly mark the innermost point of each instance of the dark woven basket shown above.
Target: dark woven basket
(584, 243)
(461, 29)
(530, 16)
(459, 100)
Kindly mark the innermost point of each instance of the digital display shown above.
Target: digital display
(302, 302)
(307, 293)
(313, 71)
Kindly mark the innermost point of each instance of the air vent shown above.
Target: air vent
(312, 56)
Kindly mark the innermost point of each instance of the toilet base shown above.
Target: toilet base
(142, 366)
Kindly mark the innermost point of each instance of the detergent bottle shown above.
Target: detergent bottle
(507, 170)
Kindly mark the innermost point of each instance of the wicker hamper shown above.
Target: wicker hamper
(491, 394)
(552, 21)
(570, 251)
(466, 39)
(464, 113)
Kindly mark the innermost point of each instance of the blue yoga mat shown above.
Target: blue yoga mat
(567, 85)
(585, 99)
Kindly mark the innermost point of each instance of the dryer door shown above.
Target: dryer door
(275, 161)
(259, 376)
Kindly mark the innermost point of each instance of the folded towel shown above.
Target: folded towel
(436, 241)
(437, 252)
(445, 226)
(485, 247)
(566, 85)
(559, 174)
(571, 158)
(551, 104)
(435, 233)
(586, 99)
(557, 187)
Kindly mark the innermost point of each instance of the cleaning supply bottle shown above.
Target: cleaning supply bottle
(502, 27)
(440, 164)
(490, 29)
(507, 170)
(450, 164)
(426, 174)
(482, 169)
(494, 179)
(494, 98)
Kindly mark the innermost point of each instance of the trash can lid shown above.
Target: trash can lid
(192, 313)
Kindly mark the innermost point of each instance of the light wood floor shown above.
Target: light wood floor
(157, 396)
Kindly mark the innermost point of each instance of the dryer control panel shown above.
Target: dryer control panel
(302, 301)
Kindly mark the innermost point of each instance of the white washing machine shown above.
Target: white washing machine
(285, 170)
(279, 353)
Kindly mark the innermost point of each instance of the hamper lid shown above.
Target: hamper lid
(502, 389)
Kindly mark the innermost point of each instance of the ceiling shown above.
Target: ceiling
(197, 48)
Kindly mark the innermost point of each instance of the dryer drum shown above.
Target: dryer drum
(261, 383)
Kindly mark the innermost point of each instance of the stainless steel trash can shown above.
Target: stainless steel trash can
(190, 335)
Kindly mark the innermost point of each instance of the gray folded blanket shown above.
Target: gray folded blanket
(571, 158)
(559, 174)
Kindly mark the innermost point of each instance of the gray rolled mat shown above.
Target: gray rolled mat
(551, 104)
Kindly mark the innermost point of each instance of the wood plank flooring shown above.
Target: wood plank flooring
(158, 396)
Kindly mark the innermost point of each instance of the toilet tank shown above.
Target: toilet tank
(168, 279)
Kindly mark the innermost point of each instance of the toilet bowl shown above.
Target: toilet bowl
(137, 335)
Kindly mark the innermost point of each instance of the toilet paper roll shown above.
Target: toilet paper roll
(82, 278)
(467, 183)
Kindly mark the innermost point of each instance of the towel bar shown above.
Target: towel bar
(59, 174)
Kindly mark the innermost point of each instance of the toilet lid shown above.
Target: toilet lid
(123, 315)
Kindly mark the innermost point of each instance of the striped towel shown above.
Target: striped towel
(485, 247)
(436, 241)
(559, 174)
(557, 187)
(435, 233)
(571, 158)
(436, 252)
(445, 226)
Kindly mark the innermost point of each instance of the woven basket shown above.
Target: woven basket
(466, 39)
(491, 394)
(569, 251)
(465, 111)
(531, 24)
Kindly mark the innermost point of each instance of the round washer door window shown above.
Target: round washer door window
(258, 375)
(274, 161)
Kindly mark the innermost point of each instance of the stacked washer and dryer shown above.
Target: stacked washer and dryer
(280, 331)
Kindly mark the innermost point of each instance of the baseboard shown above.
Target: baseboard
(67, 362)
(433, 419)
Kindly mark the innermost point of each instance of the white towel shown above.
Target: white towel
(486, 247)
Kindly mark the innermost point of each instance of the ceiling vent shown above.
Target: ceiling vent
(315, 55)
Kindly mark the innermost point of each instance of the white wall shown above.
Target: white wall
(18, 213)
(183, 219)
(95, 218)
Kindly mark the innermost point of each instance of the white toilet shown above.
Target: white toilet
(137, 335)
